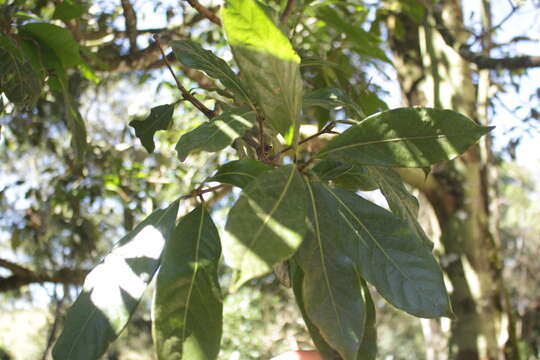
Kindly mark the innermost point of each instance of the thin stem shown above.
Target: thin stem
(185, 93)
(326, 130)
(199, 192)
(207, 13)
(261, 149)
(287, 12)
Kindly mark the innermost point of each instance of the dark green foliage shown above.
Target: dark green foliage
(160, 118)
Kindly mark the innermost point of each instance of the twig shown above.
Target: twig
(131, 25)
(185, 93)
(199, 192)
(326, 130)
(287, 12)
(205, 12)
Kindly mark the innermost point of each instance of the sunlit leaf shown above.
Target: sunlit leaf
(345, 175)
(217, 134)
(268, 62)
(266, 225)
(400, 201)
(240, 172)
(160, 118)
(187, 308)
(405, 137)
(195, 56)
(113, 289)
(331, 291)
(392, 258)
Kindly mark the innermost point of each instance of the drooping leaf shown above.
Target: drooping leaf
(240, 172)
(268, 62)
(331, 98)
(217, 134)
(18, 80)
(405, 137)
(69, 9)
(368, 347)
(297, 276)
(113, 289)
(393, 258)
(331, 291)
(266, 225)
(187, 310)
(76, 126)
(160, 118)
(60, 40)
(401, 202)
(195, 56)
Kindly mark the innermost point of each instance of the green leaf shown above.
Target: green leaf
(217, 134)
(187, 308)
(76, 126)
(368, 347)
(405, 137)
(68, 10)
(297, 276)
(58, 39)
(345, 175)
(400, 201)
(392, 258)
(266, 225)
(195, 56)
(370, 103)
(113, 289)
(160, 118)
(240, 172)
(268, 62)
(18, 80)
(331, 290)
(331, 98)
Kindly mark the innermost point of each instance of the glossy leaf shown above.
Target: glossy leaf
(401, 202)
(113, 289)
(268, 62)
(240, 172)
(331, 290)
(60, 40)
(187, 310)
(297, 276)
(392, 257)
(160, 118)
(195, 56)
(405, 137)
(266, 225)
(217, 134)
(345, 175)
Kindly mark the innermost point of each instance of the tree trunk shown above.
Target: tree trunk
(433, 74)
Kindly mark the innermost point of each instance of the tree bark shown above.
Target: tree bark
(458, 192)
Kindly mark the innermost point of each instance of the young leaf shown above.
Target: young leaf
(266, 225)
(160, 118)
(217, 134)
(268, 62)
(240, 172)
(113, 289)
(187, 310)
(331, 291)
(194, 56)
(405, 137)
(400, 201)
(392, 258)
(60, 40)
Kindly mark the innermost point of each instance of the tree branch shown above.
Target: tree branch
(287, 12)
(207, 13)
(482, 61)
(62, 276)
(131, 24)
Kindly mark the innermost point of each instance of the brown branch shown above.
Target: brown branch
(200, 191)
(62, 276)
(16, 269)
(185, 94)
(481, 61)
(207, 13)
(131, 24)
(287, 12)
(326, 130)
